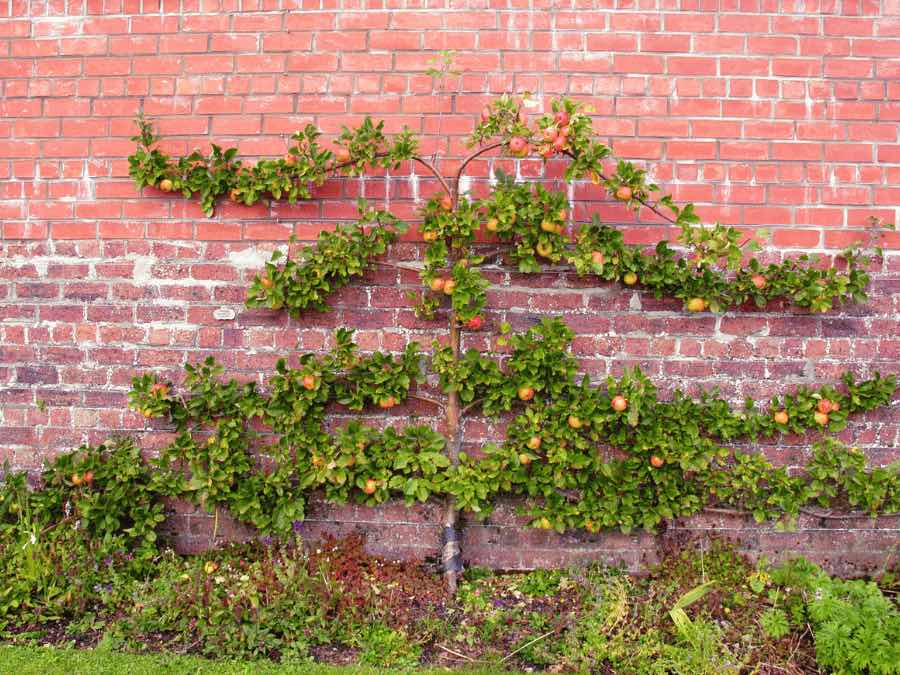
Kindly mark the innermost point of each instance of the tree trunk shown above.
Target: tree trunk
(451, 553)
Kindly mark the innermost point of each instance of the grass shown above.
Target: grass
(52, 660)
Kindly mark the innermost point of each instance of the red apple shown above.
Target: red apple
(526, 393)
(619, 403)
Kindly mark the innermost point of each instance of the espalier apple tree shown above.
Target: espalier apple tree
(583, 454)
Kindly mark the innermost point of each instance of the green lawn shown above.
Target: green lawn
(50, 660)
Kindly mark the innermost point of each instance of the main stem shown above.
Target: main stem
(451, 552)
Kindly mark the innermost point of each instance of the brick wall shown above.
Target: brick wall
(766, 113)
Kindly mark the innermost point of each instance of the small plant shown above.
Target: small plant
(855, 627)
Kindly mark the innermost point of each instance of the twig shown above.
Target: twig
(465, 162)
(426, 399)
(527, 644)
(471, 405)
(455, 653)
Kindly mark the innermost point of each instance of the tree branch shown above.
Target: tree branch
(465, 163)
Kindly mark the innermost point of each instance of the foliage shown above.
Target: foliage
(337, 257)
(93, 520)
(220, 458)
(586, 455)
(856, 628)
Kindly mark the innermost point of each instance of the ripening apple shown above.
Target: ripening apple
(781, 417)
(76, 479)
(266, 282)
(547, 151)
(534, 443)
(696, 305)
(548, 225)
(526, 393)
(656, 461)
(821, 418)
(430, 235)
(388, 402)
(88, 477)
(449, 287)
(624, 193)
(597, 257)
(630, 278)
(619, 403)
(759, 281)
(342, 155)
(290, 159)
(437, 284)
(491, 224)
(235, 195)
(446, 203)
(371, 486)
(518, 145)
(561, 118)
(485, 113)
(550, 134)
(574, 422)
(543, 250)
(544, 524)
(524, 459)
(825, 406)
(475, 323)
(159, 388)
(166, 185)
(309, 382)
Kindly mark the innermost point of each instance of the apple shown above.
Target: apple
(88, 477)
(430, 235)
(317, 461)
(696, 305)
(209, 567)
(825, 406)
(524, 459)
(550, 134)
(548, 225)
(561, 118)
(437, 284)
(388, 402)
(449, 287)
(475, 323)
(166, 185)
(597, 257)
(76, 479)
(534, 443)
(526, 393)
(342, 155)
(446, 203)
(759, 281)
(544, 524)
(624, 193)
(309, 382)
(235, 195)
(821, 418)
(159, 388)
(656, 461)
(518, 146)
(630, 278)
(589, 526)
(266, 282)
(835, 406)
(485, 113)
(147, 413)
(491, 224)
(781, 417)
(547, 151)
(561, 143)
(619, 403)
(290, 159)
(574, 422)
(371, 486)
(543, 250)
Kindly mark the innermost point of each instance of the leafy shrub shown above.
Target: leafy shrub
(856, 628)
(91, 524)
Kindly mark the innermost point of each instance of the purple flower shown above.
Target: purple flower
(297, 525)
(267, 540)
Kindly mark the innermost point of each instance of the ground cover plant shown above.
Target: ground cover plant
(703, 608)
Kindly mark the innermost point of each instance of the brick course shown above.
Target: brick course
(767, 113)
